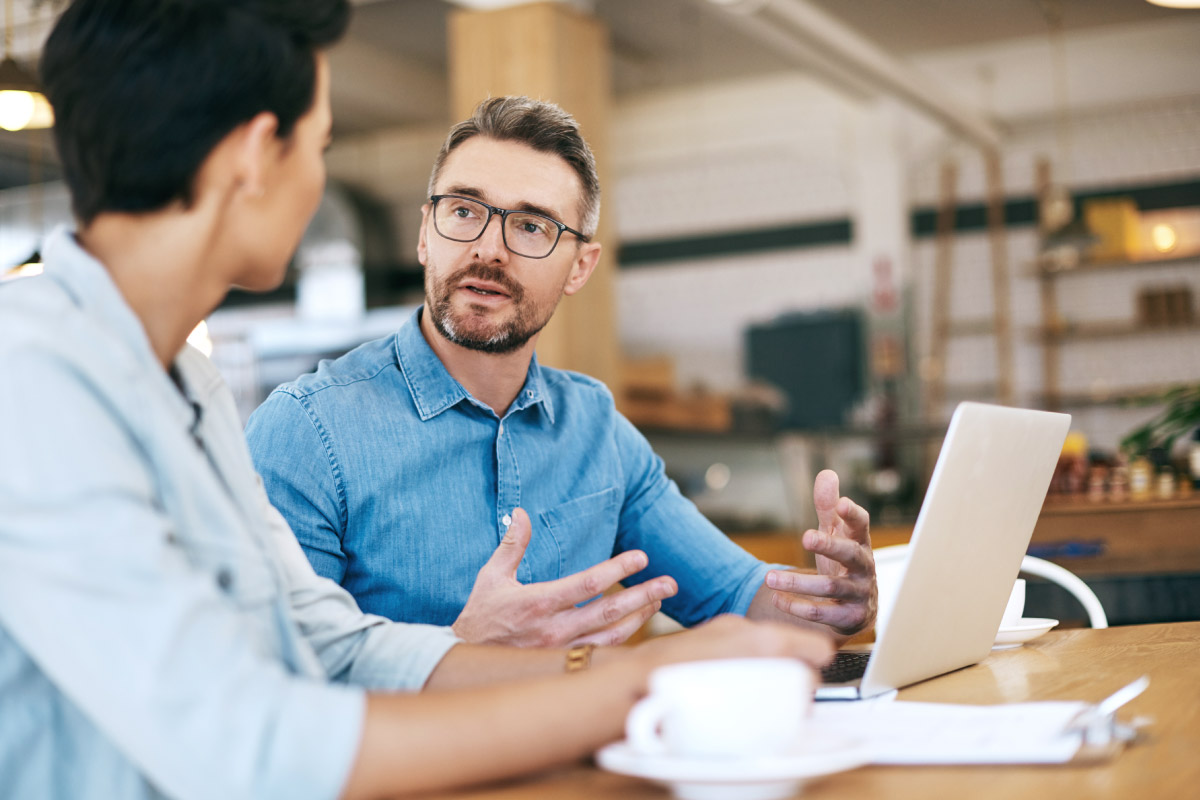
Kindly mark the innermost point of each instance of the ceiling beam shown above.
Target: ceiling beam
(394, 90)
(848, 58)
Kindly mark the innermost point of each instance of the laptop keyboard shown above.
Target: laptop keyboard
(845, 667)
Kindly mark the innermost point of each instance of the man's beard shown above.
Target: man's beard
(472, 334)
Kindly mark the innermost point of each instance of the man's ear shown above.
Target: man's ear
(255, 153)
(581, 270)
(422, 246)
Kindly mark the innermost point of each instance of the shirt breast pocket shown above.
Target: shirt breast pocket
(584, 530)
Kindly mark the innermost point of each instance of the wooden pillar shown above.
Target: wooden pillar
(550, 51)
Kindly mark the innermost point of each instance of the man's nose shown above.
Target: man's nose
(489, 247)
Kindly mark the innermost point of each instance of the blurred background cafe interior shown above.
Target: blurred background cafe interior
(825, 223)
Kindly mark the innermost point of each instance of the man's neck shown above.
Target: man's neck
(492, 378)
(161, 265)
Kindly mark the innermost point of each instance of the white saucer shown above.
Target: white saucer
(758, 778)
(1016, 635)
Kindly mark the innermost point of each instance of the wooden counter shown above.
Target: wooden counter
(1090, 539)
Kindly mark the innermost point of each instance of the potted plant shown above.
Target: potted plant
(1179, 417)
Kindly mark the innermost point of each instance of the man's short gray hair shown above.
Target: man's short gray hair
(543, 126)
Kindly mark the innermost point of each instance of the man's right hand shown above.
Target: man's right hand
(501, 610)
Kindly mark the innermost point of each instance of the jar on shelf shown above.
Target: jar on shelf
(1118, 482)
(1165, 484)
(1097, 483)
(1141, 471)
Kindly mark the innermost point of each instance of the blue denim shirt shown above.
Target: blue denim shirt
(161, 633)
(399, 485)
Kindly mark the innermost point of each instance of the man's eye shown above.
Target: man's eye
(531, 226)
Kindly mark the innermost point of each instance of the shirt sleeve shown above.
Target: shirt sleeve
(714, 574)
(94, 589)
(357, 648)
(293, 456)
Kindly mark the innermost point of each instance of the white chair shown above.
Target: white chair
(1052, 572)
(891, 561)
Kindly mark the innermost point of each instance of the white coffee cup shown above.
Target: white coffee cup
(728, 708)
(1016, 605)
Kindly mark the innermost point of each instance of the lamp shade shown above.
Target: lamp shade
(13, 78)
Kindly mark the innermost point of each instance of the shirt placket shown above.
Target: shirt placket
(508, 487)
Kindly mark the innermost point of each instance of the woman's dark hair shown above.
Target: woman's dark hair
(143, 90)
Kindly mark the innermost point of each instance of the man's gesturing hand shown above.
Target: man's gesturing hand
(500, 610)
(842, 595)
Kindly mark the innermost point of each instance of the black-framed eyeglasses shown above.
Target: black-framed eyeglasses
(525, 233)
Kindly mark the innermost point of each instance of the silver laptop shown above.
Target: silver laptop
(974, 527)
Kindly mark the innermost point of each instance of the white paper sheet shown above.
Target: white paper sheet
(943, 733)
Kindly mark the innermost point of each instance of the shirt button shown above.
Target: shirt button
(501, 428)
(224, 579)
(529, 392)
(507, 520)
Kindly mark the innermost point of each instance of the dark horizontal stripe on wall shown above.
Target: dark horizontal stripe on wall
(787, 237)
(1023, 210)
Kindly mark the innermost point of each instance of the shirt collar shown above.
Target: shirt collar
(90, 286)
(434, 390)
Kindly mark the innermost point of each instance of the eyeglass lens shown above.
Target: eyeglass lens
(526, 234)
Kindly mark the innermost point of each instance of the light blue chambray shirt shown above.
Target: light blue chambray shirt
(161, 633)
(399, 485)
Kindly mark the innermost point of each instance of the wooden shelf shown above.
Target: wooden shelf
(1082, 331)
(1157, 537)
(1106, 266)
(1097, 399)
(1150, 538)
(1066, 507)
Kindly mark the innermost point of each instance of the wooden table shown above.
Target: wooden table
(1081, 664)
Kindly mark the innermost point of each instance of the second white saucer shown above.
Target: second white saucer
(1026, 629)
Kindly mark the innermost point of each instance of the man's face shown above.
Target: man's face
(479, 294)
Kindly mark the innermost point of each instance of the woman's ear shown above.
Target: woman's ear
(255, 151)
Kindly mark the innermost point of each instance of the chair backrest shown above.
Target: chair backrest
(889, 569)
(1071, 582)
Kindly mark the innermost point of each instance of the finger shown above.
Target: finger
(622, 630)
(821, 586)
(850, 553)
(825, 498)
(841, 617)
(612, 609)
(856, 521)
(512, 545)
(581, 586)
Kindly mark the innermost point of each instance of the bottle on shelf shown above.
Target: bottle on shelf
(1140, 473)
(1118, 481)
(1165, 487)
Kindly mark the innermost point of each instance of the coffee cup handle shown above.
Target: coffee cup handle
(641, 726)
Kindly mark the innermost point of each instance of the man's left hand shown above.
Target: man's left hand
(842, 595)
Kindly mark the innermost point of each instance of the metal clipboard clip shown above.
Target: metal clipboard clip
(1101, 734)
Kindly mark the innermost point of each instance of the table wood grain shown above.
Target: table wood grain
(1080, 664)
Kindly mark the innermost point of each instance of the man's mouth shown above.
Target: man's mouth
(485, 289)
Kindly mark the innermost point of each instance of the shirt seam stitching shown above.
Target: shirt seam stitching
(335, 467)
